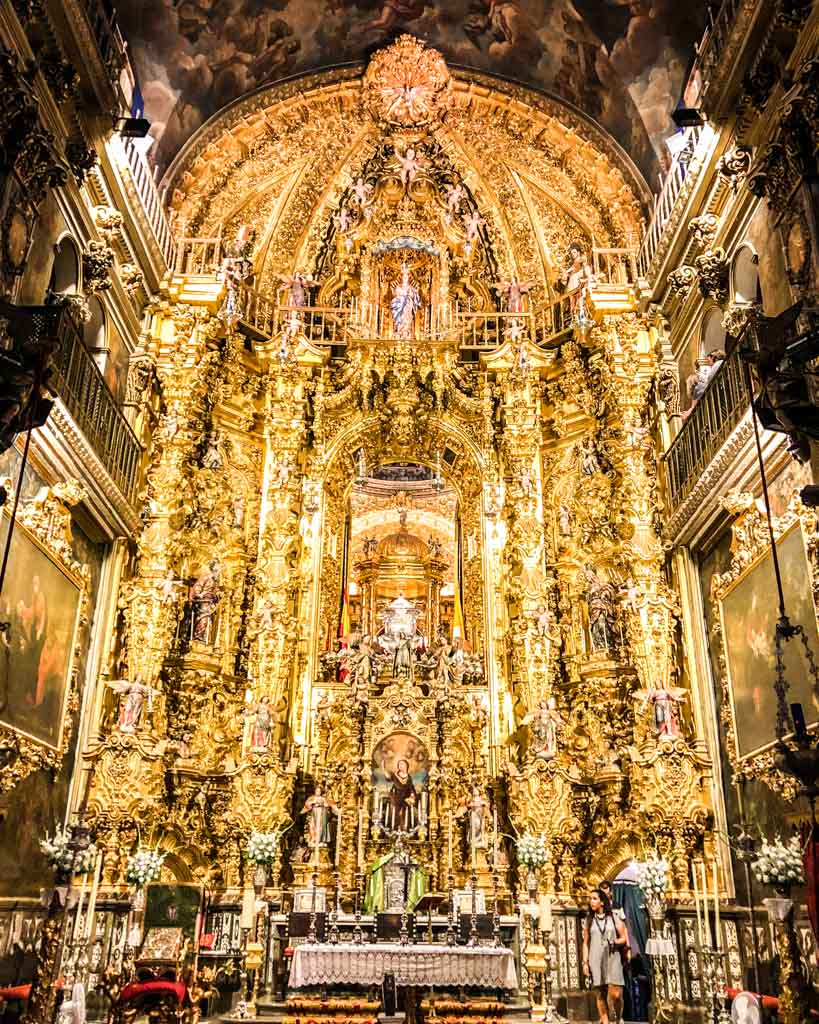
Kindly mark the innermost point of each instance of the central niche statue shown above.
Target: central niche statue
(406, 301)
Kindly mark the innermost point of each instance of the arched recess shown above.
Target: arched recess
(745, 276)
(462, 467)
(65, 267)
(712, 334)
(95, 332)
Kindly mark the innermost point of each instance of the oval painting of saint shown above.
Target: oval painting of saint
(400, 769)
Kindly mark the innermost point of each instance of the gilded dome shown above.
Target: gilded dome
(403, 545)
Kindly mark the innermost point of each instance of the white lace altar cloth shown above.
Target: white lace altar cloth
(421, 964)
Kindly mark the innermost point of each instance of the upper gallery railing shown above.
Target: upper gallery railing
(694, 144)
(151, 200)
(472, 330)
(81, 386)
(110, 44)
(708, 425)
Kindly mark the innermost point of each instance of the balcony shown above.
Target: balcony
(707, 428)
(82, 390)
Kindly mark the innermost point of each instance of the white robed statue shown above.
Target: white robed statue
(406, 301)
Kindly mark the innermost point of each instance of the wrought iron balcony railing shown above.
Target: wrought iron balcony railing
(150, 200)
(78, 382)
(708, 426)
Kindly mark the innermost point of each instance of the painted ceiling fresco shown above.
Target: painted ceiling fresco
(620, 61)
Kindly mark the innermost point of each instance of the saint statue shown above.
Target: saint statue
(204, 595)
(318, 808)
(296, 286)
(600, 595)
(264, 718)
(545, 723)
(476, 807)
(401, 813)
(363, 668)
(665, 700)
(402, 661)
(406, 301)
(577, 278)
(132, 697)
(513, 292)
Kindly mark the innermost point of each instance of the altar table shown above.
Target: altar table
(421, 964)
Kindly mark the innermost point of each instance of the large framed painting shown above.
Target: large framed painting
(749, 611)
(41, 602)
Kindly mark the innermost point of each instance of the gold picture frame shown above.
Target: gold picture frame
(747, 605)
(45, 601)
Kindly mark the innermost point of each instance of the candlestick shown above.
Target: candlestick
(338, 838)
(717, 939)
(360, 854)
(449, 842)
(494, 835)
(704, 879)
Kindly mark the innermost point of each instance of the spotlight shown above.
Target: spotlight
(687, 117)
(132, 127)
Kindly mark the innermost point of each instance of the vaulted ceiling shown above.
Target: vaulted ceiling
(621, 62)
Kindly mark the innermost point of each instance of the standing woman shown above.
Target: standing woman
(604, 939)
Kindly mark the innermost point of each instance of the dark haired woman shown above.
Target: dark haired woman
(604, 939)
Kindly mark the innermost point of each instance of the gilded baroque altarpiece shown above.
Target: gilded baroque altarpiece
(400, 293)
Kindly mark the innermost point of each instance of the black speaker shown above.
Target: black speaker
(483, 924)
(388, 927)
(298, 925)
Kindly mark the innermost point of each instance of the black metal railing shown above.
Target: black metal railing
(709, 424)
(81, 387)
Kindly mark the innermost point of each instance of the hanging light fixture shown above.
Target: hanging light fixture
(797, 750)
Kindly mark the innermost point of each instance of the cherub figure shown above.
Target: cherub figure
(454, 195)
(411, 163)
(362, 191)
(472, 225)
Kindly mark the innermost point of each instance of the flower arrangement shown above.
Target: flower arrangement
(262, 846)
(779, 864)
(61, 857)
(531, 850)
(652, 877)
(143, 867)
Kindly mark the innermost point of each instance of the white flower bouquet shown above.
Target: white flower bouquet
(57, 849)
(143, 866)
(262, 846)
(531, 850)
(779, 864)
(652, 877)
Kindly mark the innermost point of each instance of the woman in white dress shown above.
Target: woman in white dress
(604, 939)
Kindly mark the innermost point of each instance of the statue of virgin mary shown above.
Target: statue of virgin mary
(406, 301)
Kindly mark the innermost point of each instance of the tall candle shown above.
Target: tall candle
(360, 858)
(92, 900)
(248, 908)
(545, 915)
(697, 903)
(717, 940)
(494, 838)
(704, 880)
(75, 933)
(338, 839)
(449, 842)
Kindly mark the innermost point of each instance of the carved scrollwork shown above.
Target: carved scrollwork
(97, 262)
(681, 279)
(712, 270)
